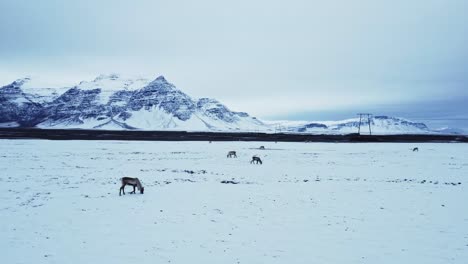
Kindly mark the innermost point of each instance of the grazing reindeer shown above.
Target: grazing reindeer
(256, 160)
(135, 182)
(415, 149)
(262, 147)
(231, 154)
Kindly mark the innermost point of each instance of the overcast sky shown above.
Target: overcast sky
(269, 58)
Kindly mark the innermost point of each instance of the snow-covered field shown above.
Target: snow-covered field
(307, 203)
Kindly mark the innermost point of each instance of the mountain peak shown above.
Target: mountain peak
(161, 84)
(161, 79)
(21, 81)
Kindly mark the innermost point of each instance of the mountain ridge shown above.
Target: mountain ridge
(112, 102)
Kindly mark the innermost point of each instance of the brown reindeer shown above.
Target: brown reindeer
(232, 154)
(256, 160)
(416, 149)
(262, 147)
(135, 182)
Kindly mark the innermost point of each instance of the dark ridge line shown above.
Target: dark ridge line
(86, 134)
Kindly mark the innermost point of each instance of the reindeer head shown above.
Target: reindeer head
(142, 190)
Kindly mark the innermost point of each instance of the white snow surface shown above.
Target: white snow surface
(307, 203)
(158, 119)
(110, 83)
(38, 91)
(9, 124)
(107, 82)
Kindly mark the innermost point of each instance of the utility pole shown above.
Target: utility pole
(369, 116)
(278, 128)
(359, 126)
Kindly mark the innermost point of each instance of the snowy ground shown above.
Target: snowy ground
(308, 203)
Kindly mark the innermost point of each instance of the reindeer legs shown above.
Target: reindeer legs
(122, 190)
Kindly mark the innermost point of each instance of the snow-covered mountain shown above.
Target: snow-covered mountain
(113, 102)
(378, 124)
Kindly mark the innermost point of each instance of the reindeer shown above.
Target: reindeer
(262, 147)
(416, 149)
(256, 160)
(135, 182)
(231, 154)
